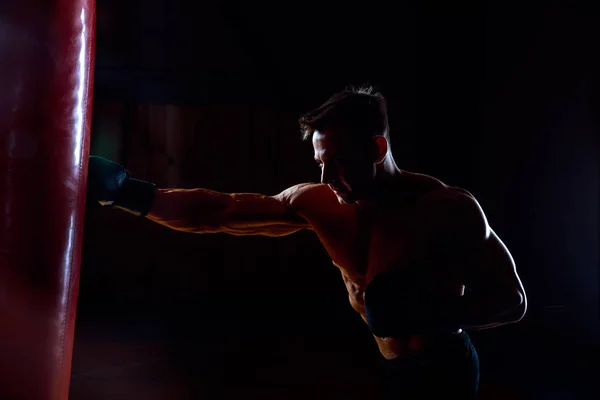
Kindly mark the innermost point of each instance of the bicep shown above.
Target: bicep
(250, 213)
(483, 262)
(469, 247)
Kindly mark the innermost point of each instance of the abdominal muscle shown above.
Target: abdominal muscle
(392, 347)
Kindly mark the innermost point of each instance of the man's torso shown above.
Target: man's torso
(366, 240)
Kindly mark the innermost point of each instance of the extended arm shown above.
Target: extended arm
(197, 210)
(207, 211)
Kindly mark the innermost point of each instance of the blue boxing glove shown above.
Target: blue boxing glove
(398, 305)
(110, 184)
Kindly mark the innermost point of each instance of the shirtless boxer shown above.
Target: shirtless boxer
(419, 260)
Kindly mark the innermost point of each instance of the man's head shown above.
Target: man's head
(350, 137)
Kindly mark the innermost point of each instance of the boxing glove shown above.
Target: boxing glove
(110, 184)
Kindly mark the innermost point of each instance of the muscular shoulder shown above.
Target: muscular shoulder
(308, 196)
(455, 214)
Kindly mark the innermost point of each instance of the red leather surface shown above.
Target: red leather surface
(46, 70)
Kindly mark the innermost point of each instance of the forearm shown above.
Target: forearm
(481, 311)
(208, 211)
(189, 210)
(193, 210)
(393, 312)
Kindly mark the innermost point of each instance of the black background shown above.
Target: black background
(498, 97)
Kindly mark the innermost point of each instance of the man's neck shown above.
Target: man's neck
(388, 179)
(387, 175)
(387, 168)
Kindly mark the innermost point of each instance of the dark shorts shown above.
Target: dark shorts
(448, 370)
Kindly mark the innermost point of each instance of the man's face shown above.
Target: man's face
(346, 166)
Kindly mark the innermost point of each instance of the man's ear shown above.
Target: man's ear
(380, 148)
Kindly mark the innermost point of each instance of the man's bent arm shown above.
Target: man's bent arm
(208, 211)
(485, 305)
(473, 250)
(484, 310)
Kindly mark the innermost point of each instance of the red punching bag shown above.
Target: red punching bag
(46, 73)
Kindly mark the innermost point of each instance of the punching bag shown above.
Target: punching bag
(46, 70)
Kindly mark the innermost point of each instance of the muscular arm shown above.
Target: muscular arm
(494, 296)
(470, 249)
(458, 246)
(207, 211)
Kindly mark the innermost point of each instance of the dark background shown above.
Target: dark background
(499, 98)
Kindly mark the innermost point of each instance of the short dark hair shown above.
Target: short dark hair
(358, 110)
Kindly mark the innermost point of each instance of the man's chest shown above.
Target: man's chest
(367, 243)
